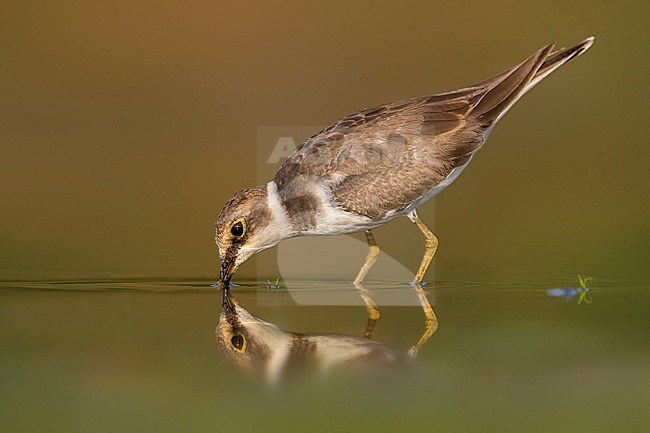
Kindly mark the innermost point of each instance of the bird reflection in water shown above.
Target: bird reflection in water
(261, 348)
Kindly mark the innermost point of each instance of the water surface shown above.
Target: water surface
(140, 355)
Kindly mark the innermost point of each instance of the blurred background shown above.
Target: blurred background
(125, 127)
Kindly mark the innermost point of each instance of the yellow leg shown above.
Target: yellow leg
(371, 306)
(430, 321)
(371, 258)
(430, 247)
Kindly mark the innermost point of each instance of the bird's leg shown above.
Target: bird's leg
(371, 258)
(430, 321)
(430, 245)
(371, 306)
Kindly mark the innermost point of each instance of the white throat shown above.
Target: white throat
(279, 219)
(280, 225)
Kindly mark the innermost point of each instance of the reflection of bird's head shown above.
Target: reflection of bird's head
(260, 347)
(249, 342)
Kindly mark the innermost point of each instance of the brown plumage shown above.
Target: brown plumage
(389, 156)
(375, 165)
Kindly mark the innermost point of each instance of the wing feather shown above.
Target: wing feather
(385, 158)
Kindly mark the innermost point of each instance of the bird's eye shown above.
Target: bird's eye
(238, 228)
(238, 342)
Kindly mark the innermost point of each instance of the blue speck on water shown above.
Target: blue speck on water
(562, 292)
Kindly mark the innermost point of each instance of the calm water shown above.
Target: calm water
(140, 355)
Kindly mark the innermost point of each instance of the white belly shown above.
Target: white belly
(436, 189)
(334, 220)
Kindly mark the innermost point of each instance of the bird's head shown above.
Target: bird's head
(246, 226)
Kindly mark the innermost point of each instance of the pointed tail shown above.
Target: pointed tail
(504, 89)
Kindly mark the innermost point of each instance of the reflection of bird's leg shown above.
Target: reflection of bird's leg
(430, 321)
(430, 245)
(371, 306)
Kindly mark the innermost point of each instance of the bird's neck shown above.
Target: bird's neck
(297, 204)
(280, 225)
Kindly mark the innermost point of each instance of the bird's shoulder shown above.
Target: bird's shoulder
(380, 137)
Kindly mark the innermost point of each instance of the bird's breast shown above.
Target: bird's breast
(312, 210)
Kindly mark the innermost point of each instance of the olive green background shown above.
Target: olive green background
(125, 126)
